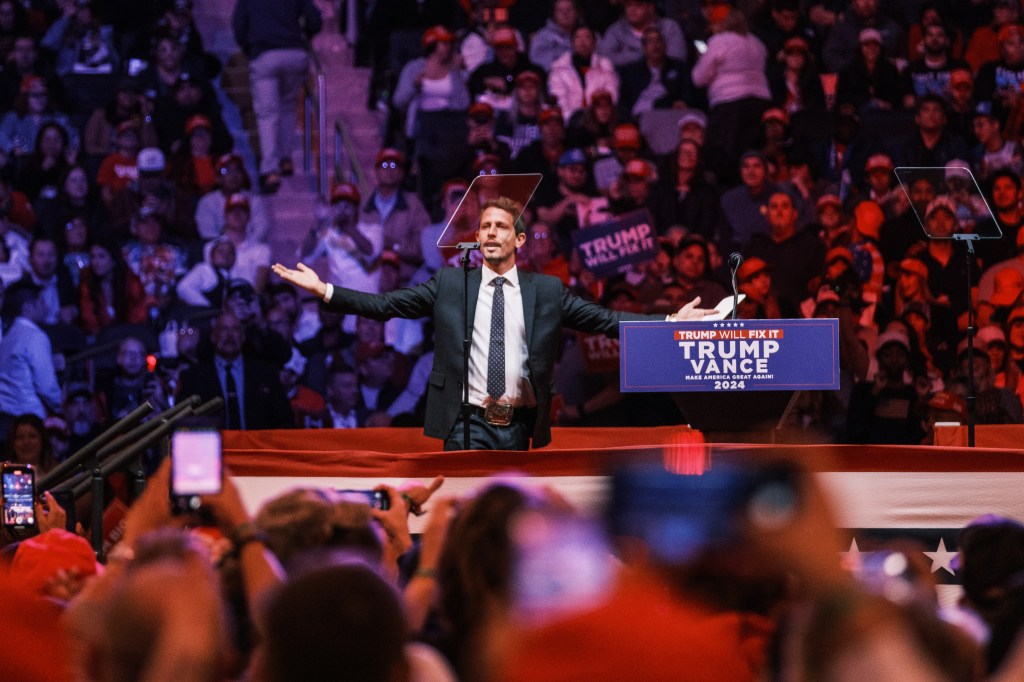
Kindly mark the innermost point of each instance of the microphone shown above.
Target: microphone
(468, 246)
(735, 261)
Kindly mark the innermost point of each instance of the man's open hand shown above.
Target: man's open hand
(302, 277)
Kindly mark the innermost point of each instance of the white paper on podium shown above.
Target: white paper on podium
(724, 308)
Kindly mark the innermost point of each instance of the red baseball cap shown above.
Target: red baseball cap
(638, 168)
(524, 77)
(750, 268)
(38, 560)
(236, 201)
(197, 121)
(481, 110)
(504, 37)
(226, 159)
(390, 154)
(626, 135)
(914, 266)
(437, 34)
(345, 191)
(550, 114)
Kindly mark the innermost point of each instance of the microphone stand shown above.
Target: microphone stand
(735, 261)
(972, 398)
(467, 335)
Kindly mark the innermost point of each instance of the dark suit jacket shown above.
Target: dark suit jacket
(547, 307)
(67, 292)
(636, 76)
(265, 402)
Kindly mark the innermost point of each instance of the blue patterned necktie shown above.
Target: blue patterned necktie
(496, 353)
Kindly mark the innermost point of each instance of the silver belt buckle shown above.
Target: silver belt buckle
(498, 414)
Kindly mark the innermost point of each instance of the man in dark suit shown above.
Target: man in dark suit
(655, 82)
(517, 318)
(252, 393)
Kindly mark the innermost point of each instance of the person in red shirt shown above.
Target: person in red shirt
(119, 169)
(109, 291)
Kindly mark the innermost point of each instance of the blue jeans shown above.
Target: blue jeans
(484, 436)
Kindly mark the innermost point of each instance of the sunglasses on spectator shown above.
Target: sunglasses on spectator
(388, 165)
(480, 120)
(541, 235)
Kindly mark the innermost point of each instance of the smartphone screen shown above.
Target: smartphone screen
(377, 499)
(196, 463)
(19, 496)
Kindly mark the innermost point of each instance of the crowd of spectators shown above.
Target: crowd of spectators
(734, 575)
(772, 129)
(135, 254)
(135, 267)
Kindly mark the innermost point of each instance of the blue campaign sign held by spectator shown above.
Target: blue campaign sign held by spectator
(729, 355)
(606, 248)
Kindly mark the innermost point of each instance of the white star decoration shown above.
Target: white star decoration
(941, 558)
(851, 558)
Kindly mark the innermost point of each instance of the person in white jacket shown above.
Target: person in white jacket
(232, 178)
(206, 283)
(577, 75)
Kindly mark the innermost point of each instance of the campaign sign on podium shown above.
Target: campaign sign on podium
(729, 355)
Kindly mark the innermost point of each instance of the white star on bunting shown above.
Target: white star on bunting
(941, 558)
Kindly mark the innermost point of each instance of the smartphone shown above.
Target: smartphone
(377, 499)
(197, 467)
(19, 485)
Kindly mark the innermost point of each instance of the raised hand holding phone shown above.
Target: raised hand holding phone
(19, 486)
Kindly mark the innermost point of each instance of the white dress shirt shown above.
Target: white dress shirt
(517, 385)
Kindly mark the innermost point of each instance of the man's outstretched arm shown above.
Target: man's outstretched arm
(303, 277)
(410, 303)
